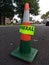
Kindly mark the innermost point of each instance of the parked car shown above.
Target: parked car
(47, 23)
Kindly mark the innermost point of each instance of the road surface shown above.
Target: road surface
(9, 40)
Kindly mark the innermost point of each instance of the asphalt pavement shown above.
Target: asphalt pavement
(9, 40)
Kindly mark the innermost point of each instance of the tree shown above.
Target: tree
(34, 7)
(6, 9)
(47, 14)
(43, 16)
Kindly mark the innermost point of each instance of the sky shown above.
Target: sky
(44, 7)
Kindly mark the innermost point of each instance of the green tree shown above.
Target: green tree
(34, 7)
(6, 10)
(47, 13)
(43, 16)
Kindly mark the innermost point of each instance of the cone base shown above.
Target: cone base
(26, 57)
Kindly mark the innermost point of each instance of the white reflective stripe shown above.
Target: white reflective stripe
(26, 16)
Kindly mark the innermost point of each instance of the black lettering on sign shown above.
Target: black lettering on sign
(32, 28)
(27, 28)
(22, 27)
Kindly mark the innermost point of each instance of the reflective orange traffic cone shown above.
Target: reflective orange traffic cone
(25, 51)
(25, 39)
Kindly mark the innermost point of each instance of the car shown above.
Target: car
(47, 23)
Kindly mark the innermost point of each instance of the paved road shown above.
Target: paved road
(9, 40)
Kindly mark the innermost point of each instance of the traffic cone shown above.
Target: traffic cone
(25, 52)
(25, 39)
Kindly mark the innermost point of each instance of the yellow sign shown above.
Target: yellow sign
(27, 29)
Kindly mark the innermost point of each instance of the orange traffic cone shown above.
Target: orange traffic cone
(25, 51)
(25, 46)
